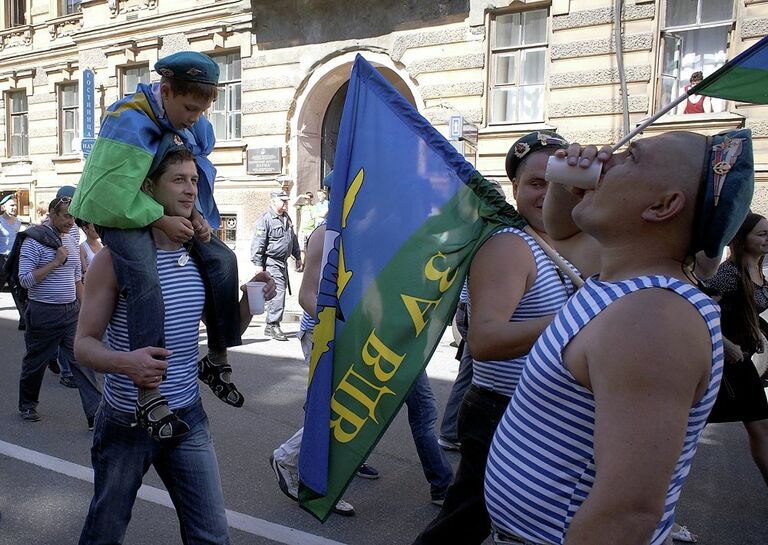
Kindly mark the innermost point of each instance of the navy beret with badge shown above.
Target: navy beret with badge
(189, 66)
(724, 198)
(533, 141)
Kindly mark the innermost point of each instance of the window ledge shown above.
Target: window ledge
(8, 161)
(715, 120)
(230, 144)
(75, 157)
(516, 128)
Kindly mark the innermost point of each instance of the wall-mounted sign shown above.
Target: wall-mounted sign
(89, 104)
(265, 161)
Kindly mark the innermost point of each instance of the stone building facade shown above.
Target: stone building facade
(507, 67)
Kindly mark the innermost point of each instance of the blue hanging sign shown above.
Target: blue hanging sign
(89, 105)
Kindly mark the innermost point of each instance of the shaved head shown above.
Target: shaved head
(681, 155)
(648, 192)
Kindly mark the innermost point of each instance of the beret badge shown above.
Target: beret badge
(521, 149)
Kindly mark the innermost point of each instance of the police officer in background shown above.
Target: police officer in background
(273, 242)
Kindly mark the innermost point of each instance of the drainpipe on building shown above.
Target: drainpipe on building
(620, 65)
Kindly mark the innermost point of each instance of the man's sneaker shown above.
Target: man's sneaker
(446, 444)
(30, 415)
(69, 382)
(438, 501)
(344, 509)
(287, 480)
(367, 472)
(268, 330)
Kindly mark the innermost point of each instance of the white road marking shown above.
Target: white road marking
(239, 521)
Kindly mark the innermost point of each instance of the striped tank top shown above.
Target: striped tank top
(541, 464)
(183, 296)
(547, 295)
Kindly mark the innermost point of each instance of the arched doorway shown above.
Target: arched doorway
(315, 124)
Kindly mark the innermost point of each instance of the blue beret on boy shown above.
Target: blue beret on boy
(533, 141)
(724, 198)
(189, 66)
(170, 142)
(7, 198)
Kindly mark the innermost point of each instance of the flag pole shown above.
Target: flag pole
(556, 258)
(642, 126)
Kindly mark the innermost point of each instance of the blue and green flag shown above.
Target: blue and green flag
(744, 78)
(407, 213)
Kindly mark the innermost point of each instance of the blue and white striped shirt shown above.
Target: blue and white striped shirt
(541, 465)
(58, 287)
(8, 232)
(546, 296)
(183, 297)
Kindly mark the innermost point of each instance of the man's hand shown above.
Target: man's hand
(176, 228)
(733, 352)
(202, 229)
(146, 366)
(270, 290)
(61, 256)
(299, 266)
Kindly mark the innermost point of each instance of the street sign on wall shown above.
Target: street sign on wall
(265, 161)
(89, 112)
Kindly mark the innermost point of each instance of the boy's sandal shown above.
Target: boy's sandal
(685, 535)
(210, 374)
(168, 428)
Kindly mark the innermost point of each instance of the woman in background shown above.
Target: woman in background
(743, 294)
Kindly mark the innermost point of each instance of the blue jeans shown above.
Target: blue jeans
(422, 416)
(134, 258)
(121, 455)
(448, 426)
(51, 329)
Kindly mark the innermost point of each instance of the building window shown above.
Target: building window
(694, 39)
(131, 76)
(19, 126)
(225, 111)
(69, 117)
(16, 13)
(518, 58)
(68, 7)
(227, 231)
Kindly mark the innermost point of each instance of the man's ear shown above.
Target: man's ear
(669, 205)
(514, 188)
(147, 186)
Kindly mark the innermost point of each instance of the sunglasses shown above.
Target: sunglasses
(59, 201)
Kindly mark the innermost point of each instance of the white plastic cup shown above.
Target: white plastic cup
(560, 172)
(256, 297)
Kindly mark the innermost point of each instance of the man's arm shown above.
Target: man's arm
(259, 243)
(144, 366)
(30, 270)
(295, 248)
(270, 290)
(568, 239)
(312, 268)
(647, 359)
(501, 272)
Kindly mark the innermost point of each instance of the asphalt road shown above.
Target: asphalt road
(44, 490)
